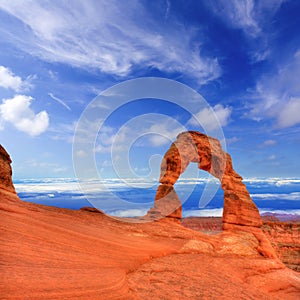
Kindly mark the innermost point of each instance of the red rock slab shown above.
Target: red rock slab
(53, 253)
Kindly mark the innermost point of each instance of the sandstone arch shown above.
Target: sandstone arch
(192, 146)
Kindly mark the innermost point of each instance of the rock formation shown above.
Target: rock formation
(5, 171)
(239, 213)
(53, 253)
(192, 146)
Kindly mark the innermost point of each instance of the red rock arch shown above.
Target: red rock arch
(192, 146)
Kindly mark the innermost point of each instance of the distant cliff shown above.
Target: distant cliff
(285, 239)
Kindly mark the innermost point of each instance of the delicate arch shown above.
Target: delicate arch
(193, 146)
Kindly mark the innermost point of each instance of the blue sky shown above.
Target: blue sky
(243, 57)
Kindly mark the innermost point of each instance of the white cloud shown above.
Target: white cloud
(146, 130)
(107, 136)
(280, 101)
(238, 13)
(294, 196)
(211, 119)
(64, 132)
(164, 132)
(8, 80)
(112, 37)
(269, 143)
(232, 140)
(258, 182)
(254, 18)
(248, 15)
(272, 157)
(17, 111)
(289, 115)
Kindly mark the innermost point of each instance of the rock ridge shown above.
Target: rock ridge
(6, 171)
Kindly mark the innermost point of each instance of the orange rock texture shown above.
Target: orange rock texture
(53, 253)
(285, 239)
(5, 171)
(284, 236)
(192, 146)
(240, 212)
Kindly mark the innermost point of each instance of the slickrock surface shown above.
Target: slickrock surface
(52, 253)
(284, 236)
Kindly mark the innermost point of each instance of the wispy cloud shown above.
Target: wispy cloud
(59, 101)
(112, 37)
(280, 101)
(238, 14)
(232, 140)
(253, 18)
(248, 15)
(256, 19)
(164, 132)
(64, 132)
(17, 111)
(152, 130)
(295, 196)
(43, 166)
(272, 157)
(267, 143)
(108, 138)
(257, 182)
(289, 115)
(210, 119)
